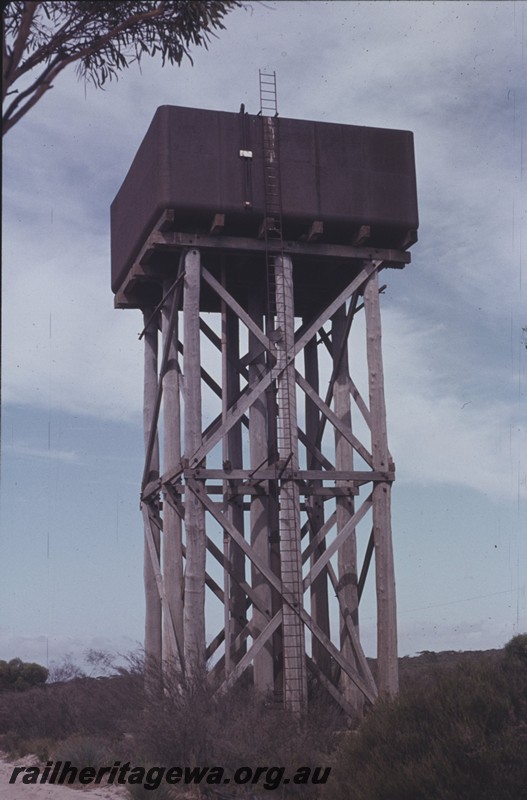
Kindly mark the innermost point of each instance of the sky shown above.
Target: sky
(454, 321)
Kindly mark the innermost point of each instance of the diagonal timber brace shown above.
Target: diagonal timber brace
(290, 500)
(363, 684)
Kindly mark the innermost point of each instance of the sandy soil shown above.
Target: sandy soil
(21, 791)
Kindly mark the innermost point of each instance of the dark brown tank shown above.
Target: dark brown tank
(202, 163)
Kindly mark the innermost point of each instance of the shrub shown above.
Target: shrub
(17, 675)
(84, 751)
(516, 649)
(84, 706)
(462, 735)
(188, 725)
(64, 670)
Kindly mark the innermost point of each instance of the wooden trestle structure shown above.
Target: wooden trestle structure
(261, 505)
(259, 487)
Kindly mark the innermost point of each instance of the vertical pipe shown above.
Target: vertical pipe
(232, 452)
(260, 504)
(227, 626)
(294, 661)
(319, 587)
(172, 527)
(387, 665)
(273, 500)
(347, 555)
(194, 608)
(153, 614)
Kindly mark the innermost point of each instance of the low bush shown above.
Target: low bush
(516, 649)
(462, 735)
(84, 751)
(19, 676)
(187, 725)
(17, 747)
(84, 706)
(452, 732)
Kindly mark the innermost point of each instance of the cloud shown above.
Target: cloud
(24, 451)
(64, 345)
(444, 432)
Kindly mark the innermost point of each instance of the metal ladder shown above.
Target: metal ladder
(272, 226)
(268, 94)
(272, 232)
(280, 319)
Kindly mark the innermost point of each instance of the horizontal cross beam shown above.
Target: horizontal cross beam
(160, 240)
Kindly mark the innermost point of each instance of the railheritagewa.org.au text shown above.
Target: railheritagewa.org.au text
(64, 772)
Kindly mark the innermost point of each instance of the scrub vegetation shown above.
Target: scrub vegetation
(455, 732)
(17, 675)
(457, 729)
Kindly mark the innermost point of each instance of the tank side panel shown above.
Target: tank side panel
(366, 175)
(189, 160)
(299, 169)
(345, 175)
(232, 192)
(391, 176)
(195, 158)
(141, 198)
(340, 171)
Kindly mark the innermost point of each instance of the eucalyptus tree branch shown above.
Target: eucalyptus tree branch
(12, 59)
(102, 38)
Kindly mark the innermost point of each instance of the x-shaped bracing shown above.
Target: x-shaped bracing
(191, 477)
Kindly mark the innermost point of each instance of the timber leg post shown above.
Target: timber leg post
(172, 525)
(194, 608)
(387, 664)
(153, 613)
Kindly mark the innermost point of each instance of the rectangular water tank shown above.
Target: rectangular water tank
(202, 163)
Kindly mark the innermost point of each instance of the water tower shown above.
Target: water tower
(250, 243)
